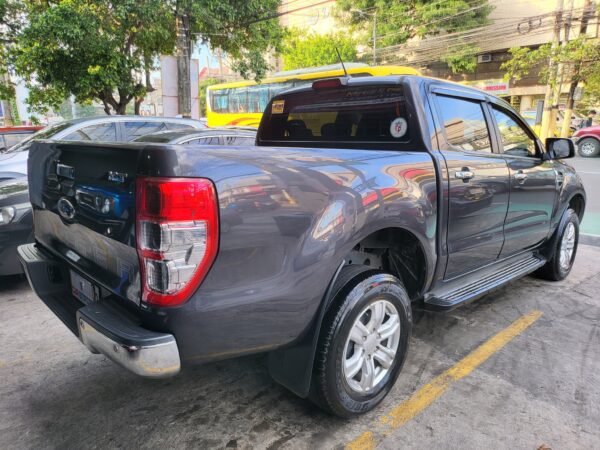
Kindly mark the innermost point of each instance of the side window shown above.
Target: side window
(13, 139)
(516, 141)
(209, 140)
(464, 123)
(176, 126)
(245, 141)
(106, 132)
(136, 129)
(239, 140)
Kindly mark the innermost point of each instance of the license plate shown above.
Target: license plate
(83, 289)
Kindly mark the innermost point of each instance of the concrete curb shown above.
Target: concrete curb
(589, 239)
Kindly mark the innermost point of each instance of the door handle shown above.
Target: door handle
(465, 174)
(520, 176)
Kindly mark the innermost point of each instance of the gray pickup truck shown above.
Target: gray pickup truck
(363, 199)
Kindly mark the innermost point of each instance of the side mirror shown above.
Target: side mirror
(560, 148)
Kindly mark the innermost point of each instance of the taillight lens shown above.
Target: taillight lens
(177, 236)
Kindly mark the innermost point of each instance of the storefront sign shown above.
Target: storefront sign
(496, 87)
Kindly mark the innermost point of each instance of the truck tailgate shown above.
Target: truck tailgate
(83, 197)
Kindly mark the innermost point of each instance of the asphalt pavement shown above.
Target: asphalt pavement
(518, 369)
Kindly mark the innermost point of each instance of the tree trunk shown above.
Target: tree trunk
(9, 117)
(183, 52)
(136, 105)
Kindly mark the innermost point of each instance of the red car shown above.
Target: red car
(588, 141)
(10, 136)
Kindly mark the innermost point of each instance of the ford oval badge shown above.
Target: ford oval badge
(65, 208)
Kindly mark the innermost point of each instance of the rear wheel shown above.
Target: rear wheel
(363, 344)
(559, 266)
(588, 147)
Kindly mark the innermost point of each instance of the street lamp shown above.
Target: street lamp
(374, 15)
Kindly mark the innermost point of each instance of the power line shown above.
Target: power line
(284, 13)
(472, 34)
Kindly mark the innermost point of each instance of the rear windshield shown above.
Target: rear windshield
(346, 115)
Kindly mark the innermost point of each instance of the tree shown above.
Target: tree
(577, 58)
(399, 22)
(302, 50)
(245, 31)
(91, 49)
(10, 21)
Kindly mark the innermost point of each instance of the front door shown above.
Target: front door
(477, 186)
(532, 184)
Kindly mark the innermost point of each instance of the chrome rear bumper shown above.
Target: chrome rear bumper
(103, 326)
(149, 354)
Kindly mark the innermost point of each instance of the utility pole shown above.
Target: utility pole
(560, 68)
(183, 52)
(552, 78)
(375, 38)
(566, 125)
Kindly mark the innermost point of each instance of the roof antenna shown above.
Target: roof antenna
(341, 61)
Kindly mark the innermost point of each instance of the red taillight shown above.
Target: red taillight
(177, 236)
(330, 83)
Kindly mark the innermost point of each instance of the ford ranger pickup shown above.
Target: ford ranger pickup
(362, 199)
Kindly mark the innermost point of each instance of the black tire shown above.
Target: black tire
(588, 147)
(362, 287)
(553, 270)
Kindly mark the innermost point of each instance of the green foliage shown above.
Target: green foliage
(302, 50)
(99, 50)
(238, 28)
(10, 21)
(462, 59)
(397, 22)
(202, 93)
(91, 49)
(578, 58)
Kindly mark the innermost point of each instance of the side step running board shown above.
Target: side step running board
(491, 279)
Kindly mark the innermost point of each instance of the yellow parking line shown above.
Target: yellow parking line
(425, 396)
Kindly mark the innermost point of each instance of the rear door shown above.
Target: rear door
(477, 190)
(532, 183)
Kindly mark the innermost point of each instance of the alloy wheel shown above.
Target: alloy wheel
(371, 346)
(567, 246)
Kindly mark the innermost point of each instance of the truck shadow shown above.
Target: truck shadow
(10, 283)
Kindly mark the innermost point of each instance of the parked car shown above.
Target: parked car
(210, 136)
(15, 223)
(588, 141)
(104, 128)
(13, 162)
(10, 136)
(362, 197)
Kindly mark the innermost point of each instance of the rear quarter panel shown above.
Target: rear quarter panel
(288, 218)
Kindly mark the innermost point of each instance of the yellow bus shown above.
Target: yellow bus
(242, 103)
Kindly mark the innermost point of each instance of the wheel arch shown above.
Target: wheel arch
(293, 366)
(585, 136)
(577, 203)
